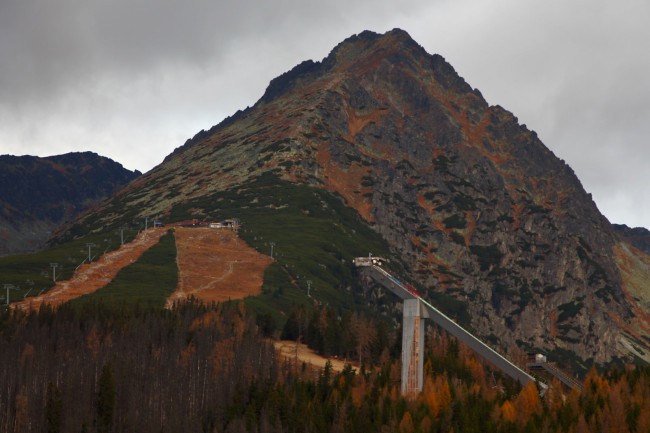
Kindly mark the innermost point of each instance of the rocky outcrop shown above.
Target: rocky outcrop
(37, 194)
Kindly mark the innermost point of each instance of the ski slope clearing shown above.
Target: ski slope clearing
(215, 265)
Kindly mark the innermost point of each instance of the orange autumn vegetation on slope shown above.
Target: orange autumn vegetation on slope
(216, 265)
(346, 182)
(91, 277)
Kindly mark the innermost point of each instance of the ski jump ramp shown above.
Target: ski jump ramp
(415, 309)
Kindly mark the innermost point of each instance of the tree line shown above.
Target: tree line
(198, 368)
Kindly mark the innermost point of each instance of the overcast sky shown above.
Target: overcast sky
(133, 79)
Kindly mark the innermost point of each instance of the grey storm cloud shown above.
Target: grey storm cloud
(134, 79)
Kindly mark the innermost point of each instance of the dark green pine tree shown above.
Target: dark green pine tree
(105, 399)
(53, 409)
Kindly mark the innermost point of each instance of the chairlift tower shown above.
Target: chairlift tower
(122, 235)
(9, 287)
(54, 266)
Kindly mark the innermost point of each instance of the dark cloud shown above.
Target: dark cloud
(133, 79)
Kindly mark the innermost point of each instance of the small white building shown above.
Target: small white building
(232, 224)
(369, 261)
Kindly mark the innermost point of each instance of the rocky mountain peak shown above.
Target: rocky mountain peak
(353, 55)
(476, 206)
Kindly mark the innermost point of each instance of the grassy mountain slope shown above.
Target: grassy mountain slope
(148, 281)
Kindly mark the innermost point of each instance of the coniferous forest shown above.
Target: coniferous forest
(197, 368)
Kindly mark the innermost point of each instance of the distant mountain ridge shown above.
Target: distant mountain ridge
(37, 194)
(473, 203)
(637, 236)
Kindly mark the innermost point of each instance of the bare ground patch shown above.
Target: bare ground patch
(292, 351)
(216, 265)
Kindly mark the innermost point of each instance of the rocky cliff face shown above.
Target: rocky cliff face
(473, 202)
(39, 194)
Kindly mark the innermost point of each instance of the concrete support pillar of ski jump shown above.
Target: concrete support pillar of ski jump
(412, 347)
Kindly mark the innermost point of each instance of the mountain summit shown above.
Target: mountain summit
(473, 204)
